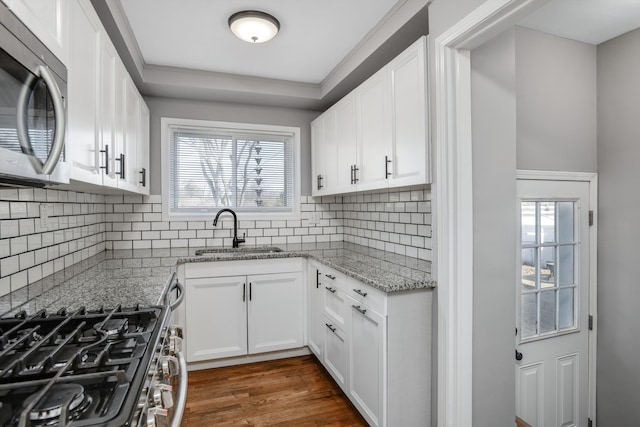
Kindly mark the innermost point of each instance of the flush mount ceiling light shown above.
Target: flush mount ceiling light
(253, 26)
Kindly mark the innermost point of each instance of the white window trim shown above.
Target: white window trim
(166, 122)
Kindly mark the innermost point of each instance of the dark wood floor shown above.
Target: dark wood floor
(286, 392)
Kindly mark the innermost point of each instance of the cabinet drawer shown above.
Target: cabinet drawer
(336, 353)
(231, 268)
(335, 306)
(367, 295)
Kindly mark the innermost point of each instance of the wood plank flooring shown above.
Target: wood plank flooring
(287, 392)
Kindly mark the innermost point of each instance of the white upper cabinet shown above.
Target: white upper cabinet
(346, 143)
(83, 93)
(317, 157)
(108, 142)
(47, 19)
(381, 130)
(374, 132)
(409, 148)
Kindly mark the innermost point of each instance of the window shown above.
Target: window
(549, 255)
(214, 165)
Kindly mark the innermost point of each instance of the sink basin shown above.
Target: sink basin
(246, 250)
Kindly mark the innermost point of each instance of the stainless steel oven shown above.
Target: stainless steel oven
(33, 85)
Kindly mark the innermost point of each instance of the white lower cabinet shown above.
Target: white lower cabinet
(377, 347)
(336, 352)
(229, 315)
(315, 339)
(222, 332)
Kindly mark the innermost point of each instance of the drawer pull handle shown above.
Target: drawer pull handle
(361, 310)
(331, 328)
(333, 291)
(330, 276)
(359, 292)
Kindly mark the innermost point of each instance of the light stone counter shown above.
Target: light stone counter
(130, 277)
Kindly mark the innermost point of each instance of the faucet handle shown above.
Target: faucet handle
(243, 237)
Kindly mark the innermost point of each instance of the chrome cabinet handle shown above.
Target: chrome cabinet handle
(330, 276)
(333, 291)
(61, 120)
(359, 292)
(319, 183)
(360, 309)
(331, 328)
(143, 178)
(355, 174)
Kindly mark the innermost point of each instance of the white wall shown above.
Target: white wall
(556, 102)
(493, 91)
(618, 368)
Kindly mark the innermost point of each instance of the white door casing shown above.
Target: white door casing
(453, 204)
(552, 303)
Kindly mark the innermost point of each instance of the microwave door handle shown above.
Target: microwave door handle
(21, 115)
(61, 120)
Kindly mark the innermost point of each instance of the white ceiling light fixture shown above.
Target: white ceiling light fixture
(253, 26)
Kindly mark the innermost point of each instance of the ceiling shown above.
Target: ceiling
(589, 21)
(324, 48)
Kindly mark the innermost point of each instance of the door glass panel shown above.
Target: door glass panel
(547, 312)
(565, 265)
(529, 266)
(548, 282)
(567, 318)
(528, 222)
(547, 267)
(547, 222)
(529, 310)
(566, 224)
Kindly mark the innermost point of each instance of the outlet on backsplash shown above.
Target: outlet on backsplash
(46, 209)
(314, 218)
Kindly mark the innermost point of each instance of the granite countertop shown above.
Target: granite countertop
(140, 276)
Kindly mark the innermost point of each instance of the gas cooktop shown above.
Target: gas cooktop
(82, 368)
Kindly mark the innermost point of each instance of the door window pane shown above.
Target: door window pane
(547, 267)
(566, 224)
(547, 222)
(529, 312)
(547, 311)
(566, 312)
(565, 265)
(529, 266)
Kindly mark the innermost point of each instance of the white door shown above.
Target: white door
(552, 301)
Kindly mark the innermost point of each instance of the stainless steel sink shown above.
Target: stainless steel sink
(237, 251)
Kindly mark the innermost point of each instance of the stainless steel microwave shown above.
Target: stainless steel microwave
(33, 87)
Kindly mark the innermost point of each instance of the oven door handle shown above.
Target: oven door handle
(181, 396)
(175, 285)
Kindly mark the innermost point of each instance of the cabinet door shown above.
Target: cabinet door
(329, 152)
(276, 320)
(142, 153)
(346, 139)
(128, 162)
(336, 353)
(367, 365)
(316, 321)
(47, 19)
(109, 109)
(317, 157)
(83, 91)
(216, 318)
(374, 132)
(409, 117)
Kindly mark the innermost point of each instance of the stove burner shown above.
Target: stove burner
(49, 407)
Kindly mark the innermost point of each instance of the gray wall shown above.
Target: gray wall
(493, 90)
(618, 367)
(188, 109)
(556, 102)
